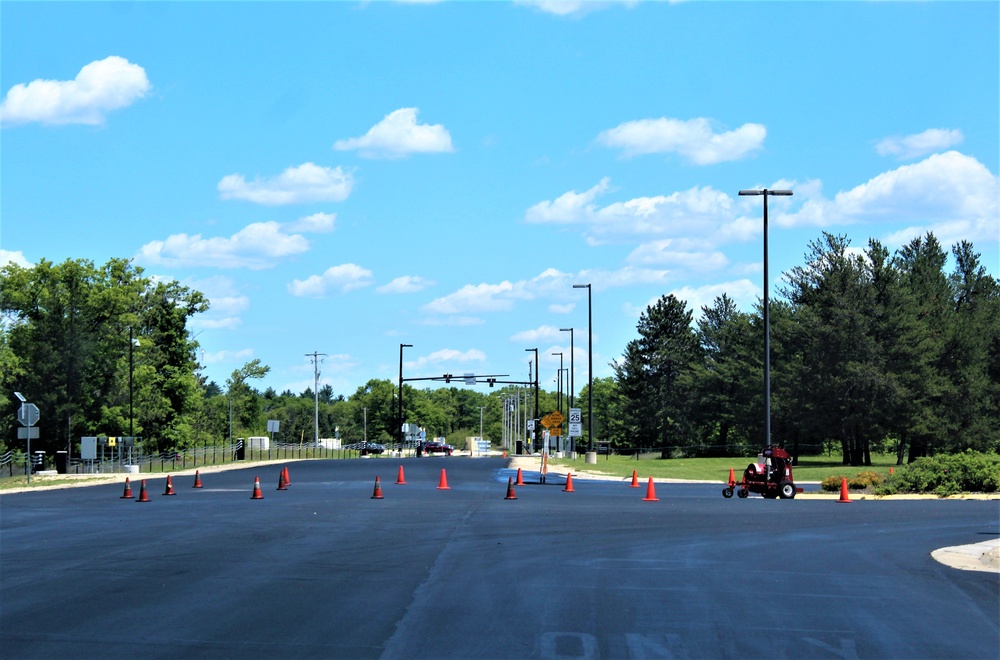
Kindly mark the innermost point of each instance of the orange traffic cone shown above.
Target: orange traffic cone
(127, 495)
(569, 484)
(400, 479)
(170, 487)
(377, 494)
(650, 492)
(635, 479)
(443, 483)
(281, 481)
(257, 495)
(520, 478)
(197, 479)
(288, 480)
(843, 491)
(732, 478)
(505, 453)
(143, 495)
(890, 471)
(511, 495)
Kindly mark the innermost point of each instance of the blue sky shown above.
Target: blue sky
(346, 177)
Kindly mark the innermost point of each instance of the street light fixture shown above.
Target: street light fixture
(590, 364)
(402, 436)
(534, 431)
(767, 314)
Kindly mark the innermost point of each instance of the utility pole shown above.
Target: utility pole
(315, 360)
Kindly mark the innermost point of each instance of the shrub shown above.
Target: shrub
(865, 479)
(832, 484)
(860, 481)
(946, 475)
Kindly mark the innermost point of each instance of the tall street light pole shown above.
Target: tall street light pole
(767, 315)
(590, 364)
(131, 344)
(534, 431)
(572, 385)
(559, 391)
(402, 437)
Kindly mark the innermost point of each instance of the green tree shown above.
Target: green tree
(245, 405)
(69, 325)
(840, 371)
(727, 382)
(652, 375)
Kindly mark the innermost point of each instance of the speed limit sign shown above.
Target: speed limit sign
(574, 416)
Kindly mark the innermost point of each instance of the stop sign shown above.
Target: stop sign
(27, 414)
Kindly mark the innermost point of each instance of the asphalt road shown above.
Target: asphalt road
(322, 570)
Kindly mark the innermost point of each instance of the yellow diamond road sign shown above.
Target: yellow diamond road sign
(556, 418)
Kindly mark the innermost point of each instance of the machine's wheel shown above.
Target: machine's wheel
(727, 493)
(787, 490)
(743, 493)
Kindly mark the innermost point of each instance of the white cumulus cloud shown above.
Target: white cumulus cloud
(99, 88)
(694, 139)
(257, 246)
(296, 185)
(399, 135)
(474, 298)
(16, 257)
(336, 279)
(317, 223)
(569, 207)
(693, 212)
(537, 335)
(908, 147)
(677, 253)
(405, 284)
(951, 194)
(743, 292)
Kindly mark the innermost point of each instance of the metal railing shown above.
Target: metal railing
(15, 464)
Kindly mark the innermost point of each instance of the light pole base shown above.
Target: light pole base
(591, 458)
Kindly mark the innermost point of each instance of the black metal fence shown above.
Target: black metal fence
(14, 463)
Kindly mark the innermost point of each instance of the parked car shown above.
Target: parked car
(371, 448)
(438, 448)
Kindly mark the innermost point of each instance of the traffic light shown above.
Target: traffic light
(491, 381)
(447, 378)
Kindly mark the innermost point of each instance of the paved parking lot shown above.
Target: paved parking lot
(323, 570)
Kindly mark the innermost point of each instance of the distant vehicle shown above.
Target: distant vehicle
(438, 448)
(371, 448)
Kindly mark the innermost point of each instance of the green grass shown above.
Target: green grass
(810, 468)
(9, 483)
